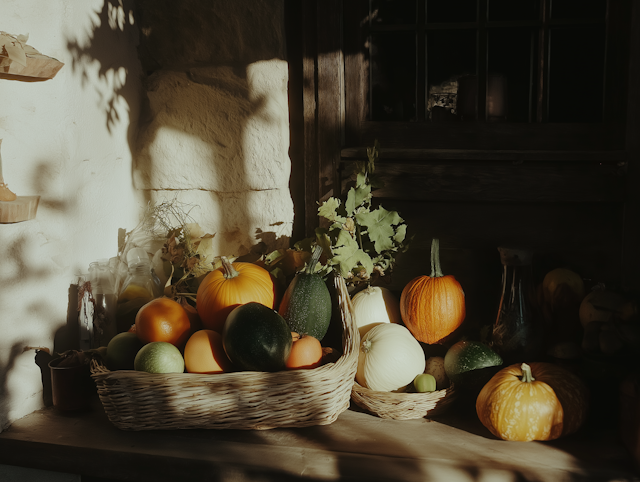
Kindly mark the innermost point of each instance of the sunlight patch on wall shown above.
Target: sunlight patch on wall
(265, 142)
(174, 159)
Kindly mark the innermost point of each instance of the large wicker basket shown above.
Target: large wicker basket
(239, 400)
(403, 406)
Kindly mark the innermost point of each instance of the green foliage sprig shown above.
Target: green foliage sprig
(362, 241)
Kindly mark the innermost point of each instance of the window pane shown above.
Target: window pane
(393, 76)
(451, 11)
(389, 12)
(510, 52)
(576, 74)
(578, 8)
(500, 10)
(451, 54)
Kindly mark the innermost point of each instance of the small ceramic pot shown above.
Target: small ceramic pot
(71, 386)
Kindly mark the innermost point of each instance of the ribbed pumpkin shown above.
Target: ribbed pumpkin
(231, 285)
(538, 401)
(433, 307)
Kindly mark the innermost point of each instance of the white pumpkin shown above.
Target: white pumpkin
(375, 305)
(389, 359)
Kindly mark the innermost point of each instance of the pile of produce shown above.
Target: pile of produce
(238, 324)
(221, 315)
(392, 357)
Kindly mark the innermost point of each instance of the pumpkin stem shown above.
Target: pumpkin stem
(366, 346)
(436, 270)
(527, 377)
(227, 267)
(315, 257)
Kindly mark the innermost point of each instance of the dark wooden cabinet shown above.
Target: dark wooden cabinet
(563, 183)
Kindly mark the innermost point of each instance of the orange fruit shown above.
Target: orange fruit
(306, 352)
(204, 353)
(163, 319)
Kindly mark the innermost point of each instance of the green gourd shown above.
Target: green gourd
(306, 304)
(468, 362)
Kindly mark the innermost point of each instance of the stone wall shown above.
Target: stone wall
(215, 132)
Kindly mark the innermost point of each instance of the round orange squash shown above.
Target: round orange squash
(163, 319)
(231, 285)
(204, 353)
(306, 352)
(433, 307)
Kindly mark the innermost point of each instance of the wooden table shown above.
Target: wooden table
(358, 446)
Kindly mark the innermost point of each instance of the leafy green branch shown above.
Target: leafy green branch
(362, 241)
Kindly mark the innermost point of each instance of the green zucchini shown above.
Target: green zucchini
(306, 304)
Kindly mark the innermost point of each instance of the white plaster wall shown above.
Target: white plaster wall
(66, 140)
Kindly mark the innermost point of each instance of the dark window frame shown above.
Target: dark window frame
(540, 135)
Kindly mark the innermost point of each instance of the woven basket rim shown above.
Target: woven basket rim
(450, 390)
(402, 405)
(98, 368)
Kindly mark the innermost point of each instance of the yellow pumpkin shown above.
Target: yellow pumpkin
(539, 401)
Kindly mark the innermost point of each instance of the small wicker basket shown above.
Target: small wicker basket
(239, 400)
(403, 406)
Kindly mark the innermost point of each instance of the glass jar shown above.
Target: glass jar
(518, 330)
(104, 300)
(139, 287)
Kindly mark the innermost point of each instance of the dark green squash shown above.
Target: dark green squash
(255, 337)
(470, 362)
(306, 304)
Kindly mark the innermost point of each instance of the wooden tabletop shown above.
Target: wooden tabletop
(358, 446)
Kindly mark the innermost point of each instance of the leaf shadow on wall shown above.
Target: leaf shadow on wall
(116, 81)
(23, 274)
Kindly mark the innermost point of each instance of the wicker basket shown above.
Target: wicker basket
(402, 406)
(240, 400)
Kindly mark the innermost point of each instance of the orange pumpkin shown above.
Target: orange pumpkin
(204, 353)
(231, 285)
(306, 352)
(538, 401)
(433, 307)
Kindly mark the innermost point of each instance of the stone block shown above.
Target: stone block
(216, 129)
